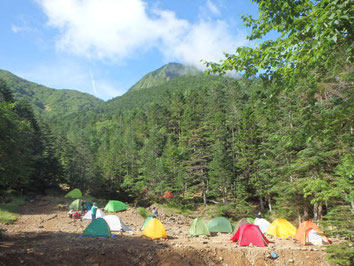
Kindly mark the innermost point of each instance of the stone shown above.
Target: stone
(291, 260)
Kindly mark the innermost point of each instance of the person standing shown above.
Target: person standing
(83, 207)
(94, 211)
(155, 214)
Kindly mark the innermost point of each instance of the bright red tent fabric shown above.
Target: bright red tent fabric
(168, 195)
(250, 233)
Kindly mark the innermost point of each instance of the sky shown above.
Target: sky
(103, 47)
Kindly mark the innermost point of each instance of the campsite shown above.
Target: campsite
(44, 235)
(150, 132)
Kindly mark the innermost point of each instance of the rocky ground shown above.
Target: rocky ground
(44, 235)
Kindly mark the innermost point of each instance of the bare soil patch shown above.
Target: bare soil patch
(44, 235)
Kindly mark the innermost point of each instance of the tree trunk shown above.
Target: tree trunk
(269, 203)
(315, 211)
(319, 210)
(261, 203)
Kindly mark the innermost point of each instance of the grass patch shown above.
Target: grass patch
(143, 212)
(8, 211)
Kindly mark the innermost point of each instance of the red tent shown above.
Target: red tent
(250, 233)
(168, 194)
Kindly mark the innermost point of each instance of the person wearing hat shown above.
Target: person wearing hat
(94, 211)
(259, 215)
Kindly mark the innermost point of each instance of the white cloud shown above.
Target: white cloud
(213, 8)
(67, 74)
(118, 29)
(206, 40)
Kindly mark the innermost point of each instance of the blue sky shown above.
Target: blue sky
(103, 47)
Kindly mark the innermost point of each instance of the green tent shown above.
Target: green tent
(250, 220)
(146, 222)
(198, 227)
(115, 206)
(220, 224)
(239, 223)
(98, 227)
(74, 194)
(76, 205)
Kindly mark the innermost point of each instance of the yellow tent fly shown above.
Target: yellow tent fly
(155, 229)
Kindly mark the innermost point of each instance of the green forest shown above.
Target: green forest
(277, 140)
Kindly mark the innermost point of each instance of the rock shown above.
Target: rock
(205, 242)
(307, 257)
(41, 226)
(103, 253)
(220, 258)
(291, 260)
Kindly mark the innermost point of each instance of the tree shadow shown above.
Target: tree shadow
(61, 248)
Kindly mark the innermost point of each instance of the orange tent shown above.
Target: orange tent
(168, 194)
(302, 233)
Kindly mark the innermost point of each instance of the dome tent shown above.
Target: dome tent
(263, 224)
(168, 194)
(76, 205)
(239, 223)
(116, 224)
(146, 222)
(198, 227)
(155, 229)
(115, 206)
(281, 228)
(98, 228)
(88, 215)
(220, 224)
(309, 233)
(249, 233)
(74, 194)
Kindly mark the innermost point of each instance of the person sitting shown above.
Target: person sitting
(76, 215)
(70, 213)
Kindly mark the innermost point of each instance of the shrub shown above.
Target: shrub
(143, 212)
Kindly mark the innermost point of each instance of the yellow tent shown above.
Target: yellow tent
(155, 229)
(281, 228)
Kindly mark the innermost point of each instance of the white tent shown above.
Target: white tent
(88, 215)
(263, 224)
(116, 224)
(315, 238)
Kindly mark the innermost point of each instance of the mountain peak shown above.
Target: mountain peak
(164, 74)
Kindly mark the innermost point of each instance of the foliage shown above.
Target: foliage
(143, 212)
(9, 210)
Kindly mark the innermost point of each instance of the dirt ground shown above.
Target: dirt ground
(44, 235)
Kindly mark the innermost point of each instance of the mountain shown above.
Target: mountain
(48, 102)
(164, 74)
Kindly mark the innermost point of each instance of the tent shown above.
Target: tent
(88, 215)
(155, 229)
(309, 233)
(239, 223)
(263, 224)
(115, 206)
(250, 220)
(98, 228)
(76, 205)
(250, 233)
(116, 224)
(198, 227)
(220, 224)
(168, 194)
(145, 222)
(74, 194)
(281, 228)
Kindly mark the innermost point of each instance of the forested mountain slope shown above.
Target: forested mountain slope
(164, 74)
(48, 102)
